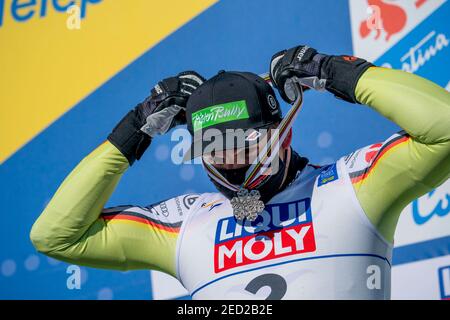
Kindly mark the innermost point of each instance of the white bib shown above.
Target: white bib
(313, 241)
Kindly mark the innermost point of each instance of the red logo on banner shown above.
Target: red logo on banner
(386, 17)
(419, 3)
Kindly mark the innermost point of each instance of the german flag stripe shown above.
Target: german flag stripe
(137, 217)
(361, 175)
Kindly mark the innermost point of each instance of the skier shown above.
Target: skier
(313, 232)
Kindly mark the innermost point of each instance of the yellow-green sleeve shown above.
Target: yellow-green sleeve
(388, 175)
(75, 228)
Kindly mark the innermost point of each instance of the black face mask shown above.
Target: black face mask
(271, 185)
(234, 176)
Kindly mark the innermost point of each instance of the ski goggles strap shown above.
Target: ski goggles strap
(270, 150)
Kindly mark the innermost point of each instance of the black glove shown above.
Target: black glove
(157, 114)
(338, 74)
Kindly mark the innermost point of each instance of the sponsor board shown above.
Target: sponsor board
(271, 236)
(425, 218)
(377, 25)
(413, 36)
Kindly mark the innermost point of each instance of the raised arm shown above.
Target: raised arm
(73, 227)
(411, 162)
(408, 164)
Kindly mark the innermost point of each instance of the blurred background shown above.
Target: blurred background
(69, 71)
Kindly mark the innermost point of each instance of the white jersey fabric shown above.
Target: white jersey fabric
(313, 241)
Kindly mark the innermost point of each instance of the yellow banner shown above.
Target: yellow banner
(55, 52)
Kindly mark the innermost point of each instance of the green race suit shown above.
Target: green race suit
(75, 228)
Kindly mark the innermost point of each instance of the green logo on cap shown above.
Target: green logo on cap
(220, 113)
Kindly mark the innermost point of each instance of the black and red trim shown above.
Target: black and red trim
(362, 174)
(141, 218)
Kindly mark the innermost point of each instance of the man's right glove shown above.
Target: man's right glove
(337, 74)
(157, 114)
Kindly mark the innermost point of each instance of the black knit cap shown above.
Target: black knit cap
(230, 100)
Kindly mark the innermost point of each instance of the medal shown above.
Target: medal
(247, 205)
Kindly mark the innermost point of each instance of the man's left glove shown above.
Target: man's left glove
(157, 114)
(337, 74)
